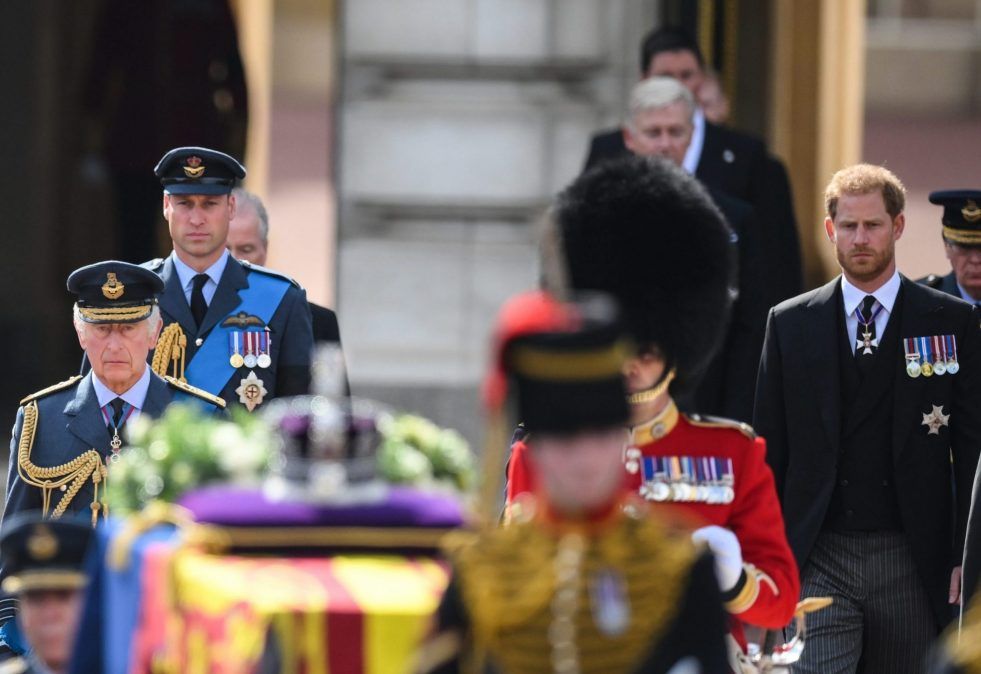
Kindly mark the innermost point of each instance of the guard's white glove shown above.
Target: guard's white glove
(728, 554)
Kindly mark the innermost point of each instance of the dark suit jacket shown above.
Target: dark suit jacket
(290, 326)
(728, 385)
(738, 164)
(798, 412)
(325, 328)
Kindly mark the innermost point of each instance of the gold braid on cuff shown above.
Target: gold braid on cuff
(747, 596)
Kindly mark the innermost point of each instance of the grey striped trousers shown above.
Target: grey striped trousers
(881, 621)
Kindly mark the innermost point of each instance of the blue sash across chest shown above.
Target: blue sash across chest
(210, 369)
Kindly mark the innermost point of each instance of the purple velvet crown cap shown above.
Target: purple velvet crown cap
(222, 505)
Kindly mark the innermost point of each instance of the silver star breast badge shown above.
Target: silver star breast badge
(935, 419)
(251, 391)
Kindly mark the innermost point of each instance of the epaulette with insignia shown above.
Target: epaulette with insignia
(266, 270)
(721, 422)
(155, 263)
(195, 391)
(51, 389)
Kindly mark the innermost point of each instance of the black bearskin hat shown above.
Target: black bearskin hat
(648, 234)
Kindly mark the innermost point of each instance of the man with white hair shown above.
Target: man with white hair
(248, 239)
(723, 158)
(67, 435)
(659, 124)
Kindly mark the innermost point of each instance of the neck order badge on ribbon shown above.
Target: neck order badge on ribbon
(866, 339)
(116, 443)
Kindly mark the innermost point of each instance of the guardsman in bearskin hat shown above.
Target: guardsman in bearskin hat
(646, 233)
(67, 435)
(583, 580)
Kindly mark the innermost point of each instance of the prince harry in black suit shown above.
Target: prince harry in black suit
(873, 438)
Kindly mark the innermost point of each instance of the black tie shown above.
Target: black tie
(198, 306)
(865, 340)
(117, 411)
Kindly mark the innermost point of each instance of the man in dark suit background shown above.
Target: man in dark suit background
(867, 395)
(659, 124)
(248, 239)
(962, 244)
(724, 159)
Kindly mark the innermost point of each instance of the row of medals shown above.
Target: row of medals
(661, 490)
(922, 348)
(684, 488)
(254, 355)
(939, 367)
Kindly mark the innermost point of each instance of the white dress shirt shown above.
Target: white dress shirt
(885, 296)
(694, 152)
(135, 395)
(214, 272)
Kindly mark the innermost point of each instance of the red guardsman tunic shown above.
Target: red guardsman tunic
(714, 470)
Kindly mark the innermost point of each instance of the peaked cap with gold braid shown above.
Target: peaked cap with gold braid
(114, 292)
(962, 215)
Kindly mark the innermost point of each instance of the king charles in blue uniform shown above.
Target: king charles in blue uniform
(234, 329)
(65, 436)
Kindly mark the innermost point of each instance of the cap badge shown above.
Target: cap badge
(42, 545)
(193, 168)
(112, 288)
(971, 212)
